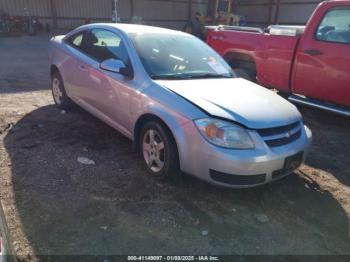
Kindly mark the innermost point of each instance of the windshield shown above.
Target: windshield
(171, 56)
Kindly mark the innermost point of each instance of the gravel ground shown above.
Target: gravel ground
(55, 205)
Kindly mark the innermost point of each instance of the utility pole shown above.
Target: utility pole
(277, 13)
(53, 14)
(115, 16)
(269, 19)
(131, 9)
(189, 10)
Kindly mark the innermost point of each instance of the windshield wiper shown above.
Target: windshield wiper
(168, 77)
(189, 76)
(208, 75)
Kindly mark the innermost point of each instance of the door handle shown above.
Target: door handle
(313, 52)
(83, 68)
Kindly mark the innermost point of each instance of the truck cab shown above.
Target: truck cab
(322, 61)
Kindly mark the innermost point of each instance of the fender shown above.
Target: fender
(174, 121)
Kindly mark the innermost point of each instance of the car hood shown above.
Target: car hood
(236, 99)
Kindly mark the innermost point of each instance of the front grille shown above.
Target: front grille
(283, 141)
(237, 180)
(280, 136)
(278, 130)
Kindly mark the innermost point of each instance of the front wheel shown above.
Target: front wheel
(59, 94)
(159, 150)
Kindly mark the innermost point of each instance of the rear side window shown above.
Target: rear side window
(101, 45)
(76, 40)
(335, 26)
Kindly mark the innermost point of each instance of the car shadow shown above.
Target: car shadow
(114, 207)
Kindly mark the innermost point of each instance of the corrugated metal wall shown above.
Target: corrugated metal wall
(296, 11)
(27, 7)
(166, 13)
(258, 12)
(34, 7)
(171, 14)
(72, 13)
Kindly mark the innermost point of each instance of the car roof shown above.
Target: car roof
(133, 28)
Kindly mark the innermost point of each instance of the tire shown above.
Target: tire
(160, 154)
(245, 73)
(59, 94)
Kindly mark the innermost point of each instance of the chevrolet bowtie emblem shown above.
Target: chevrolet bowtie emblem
(289, 134)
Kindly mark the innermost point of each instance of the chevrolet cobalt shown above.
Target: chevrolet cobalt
(179, 102)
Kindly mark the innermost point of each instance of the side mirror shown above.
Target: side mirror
(116, 66)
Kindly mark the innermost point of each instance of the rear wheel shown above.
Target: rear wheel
(59, 93)
(159, 150)
(243, 68)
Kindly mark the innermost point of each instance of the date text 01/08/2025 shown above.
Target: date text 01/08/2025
(173, 258)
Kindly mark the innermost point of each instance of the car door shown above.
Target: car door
(323, 59)
(106, 93)
(68, 68)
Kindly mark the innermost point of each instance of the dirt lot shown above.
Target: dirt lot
(55, 205)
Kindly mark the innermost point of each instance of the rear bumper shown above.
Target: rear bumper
(240, 168)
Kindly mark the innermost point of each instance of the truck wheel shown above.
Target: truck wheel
(59, 94)
(159, 151)
(245, 73)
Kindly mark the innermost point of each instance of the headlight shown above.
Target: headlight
(225, 134)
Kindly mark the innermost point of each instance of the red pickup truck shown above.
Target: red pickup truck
(310, 64)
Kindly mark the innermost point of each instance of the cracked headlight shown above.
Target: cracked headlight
(224, 134)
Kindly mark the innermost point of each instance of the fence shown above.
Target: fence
(72, 13)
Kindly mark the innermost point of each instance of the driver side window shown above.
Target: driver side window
(335, 26)
(102, 44)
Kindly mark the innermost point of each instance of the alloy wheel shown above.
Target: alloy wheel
(153, 150)
(56, 91)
